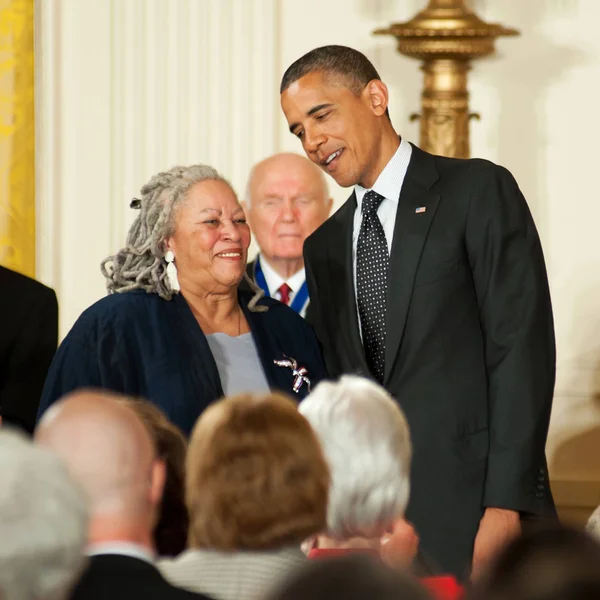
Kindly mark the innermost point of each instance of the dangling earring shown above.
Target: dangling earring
(172, 271)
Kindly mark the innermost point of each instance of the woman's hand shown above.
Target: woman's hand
(399, 548)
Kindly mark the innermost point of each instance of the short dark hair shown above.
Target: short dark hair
(341, 62)
(548, 562)
(171, 530)
(354, 576)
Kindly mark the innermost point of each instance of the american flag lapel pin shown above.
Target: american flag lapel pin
(420, 209)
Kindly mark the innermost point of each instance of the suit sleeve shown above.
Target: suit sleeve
(511, 284)
(319, 371)
(29, 361)
(94, 354)
(75, 365)
(314, 312)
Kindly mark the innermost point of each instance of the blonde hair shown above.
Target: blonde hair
(256, 476)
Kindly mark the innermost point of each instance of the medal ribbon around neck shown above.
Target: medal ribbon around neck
(300, 297)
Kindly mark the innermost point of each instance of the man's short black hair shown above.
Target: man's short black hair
(352, 67)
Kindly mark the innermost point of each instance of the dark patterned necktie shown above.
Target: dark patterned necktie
(372, 262)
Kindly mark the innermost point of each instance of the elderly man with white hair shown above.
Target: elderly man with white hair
(366, 441)
(287, 198)
(43, 522)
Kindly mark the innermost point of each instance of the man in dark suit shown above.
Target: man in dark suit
(431, 279)
(286, 200)
(109, 452)
(28, 341)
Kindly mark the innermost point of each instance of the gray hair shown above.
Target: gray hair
(593, 524)
(43, 522)
(141, 264)
(366, 440)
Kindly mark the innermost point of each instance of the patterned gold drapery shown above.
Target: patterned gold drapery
(17, 136)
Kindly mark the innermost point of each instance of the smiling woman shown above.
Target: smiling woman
(175, 328)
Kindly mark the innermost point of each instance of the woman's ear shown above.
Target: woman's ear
(168, 245)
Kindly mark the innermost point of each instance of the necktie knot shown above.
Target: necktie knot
(371, 202)
(284, 293)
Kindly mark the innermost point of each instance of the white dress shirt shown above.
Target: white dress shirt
(275, 281)
(388, 184)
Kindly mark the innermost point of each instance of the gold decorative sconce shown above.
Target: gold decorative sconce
(446, 36)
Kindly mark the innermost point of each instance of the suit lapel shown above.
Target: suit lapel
(341, 277)
(416, 209)
(268, 348)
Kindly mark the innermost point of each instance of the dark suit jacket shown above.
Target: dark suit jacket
(28, 340)
(112, 577)
(139, 344)
(470, 353)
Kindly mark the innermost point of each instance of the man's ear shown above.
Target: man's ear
(246, 206)
(157, 485)
(376, 94)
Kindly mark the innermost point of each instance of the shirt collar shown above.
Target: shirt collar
(390, 180)
(121, 548)
(274, 280)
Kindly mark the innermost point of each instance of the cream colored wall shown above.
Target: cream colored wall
(128, 87)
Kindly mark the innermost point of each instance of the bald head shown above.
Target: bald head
(106, 448)
(287, 168)
(286, 200)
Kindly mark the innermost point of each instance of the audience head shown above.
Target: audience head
(43, 522)
(551, 563)
(192, 216)
(350, 577)
(110, 453)
(256, 476)
(366, 441)
(336, 104)
(593, 524)
(170, 533)
(286, 200)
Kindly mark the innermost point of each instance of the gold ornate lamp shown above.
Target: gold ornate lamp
(446, 36)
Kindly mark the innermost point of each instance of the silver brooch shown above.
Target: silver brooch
(299, 373)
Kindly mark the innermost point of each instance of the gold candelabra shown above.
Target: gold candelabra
(446, 36)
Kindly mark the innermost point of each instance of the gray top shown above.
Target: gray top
(241, 575)
(237, 360)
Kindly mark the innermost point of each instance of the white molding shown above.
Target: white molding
(191, 82)
(47, 181)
